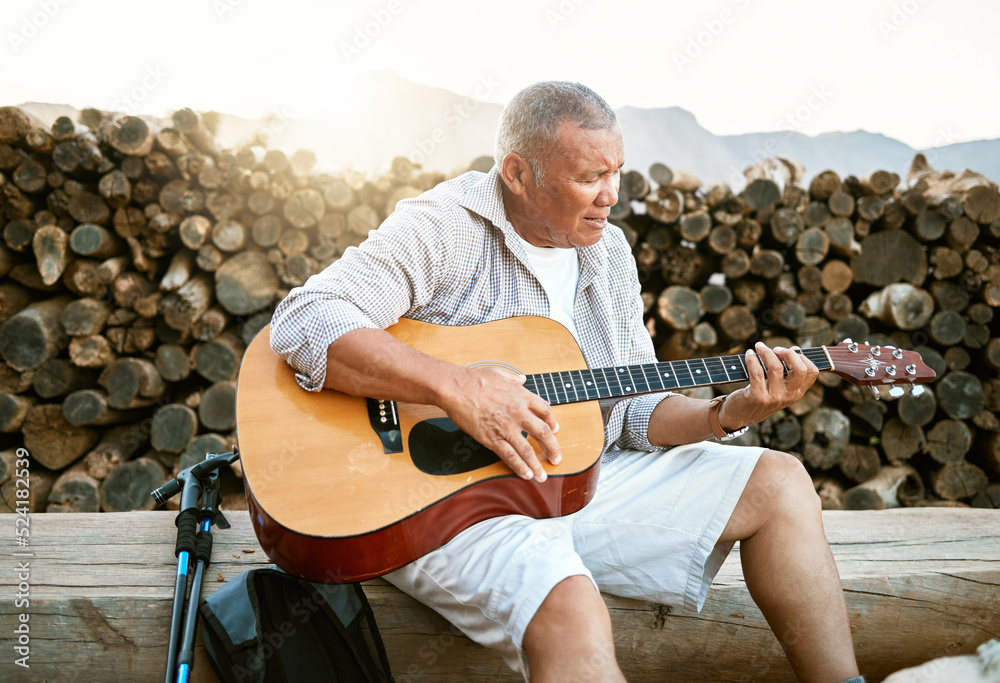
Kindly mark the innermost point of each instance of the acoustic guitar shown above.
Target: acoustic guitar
(342, 488)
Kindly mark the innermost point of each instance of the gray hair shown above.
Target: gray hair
(529, 124)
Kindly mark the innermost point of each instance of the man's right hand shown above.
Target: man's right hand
(491, 406)
(494, 408)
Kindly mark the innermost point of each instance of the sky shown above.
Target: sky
(922, 71)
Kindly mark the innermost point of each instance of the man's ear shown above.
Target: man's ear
(516, 173)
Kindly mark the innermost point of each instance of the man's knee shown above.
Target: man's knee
(574, 603)
(572, 626)
(780, 486)
(787, 483)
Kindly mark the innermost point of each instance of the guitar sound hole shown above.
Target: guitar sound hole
(438, 447)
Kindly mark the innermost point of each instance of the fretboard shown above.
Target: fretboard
(631, 380)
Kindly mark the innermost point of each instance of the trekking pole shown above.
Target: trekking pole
(189, 483)
(210, 512)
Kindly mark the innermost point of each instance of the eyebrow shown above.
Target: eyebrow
(595, 171)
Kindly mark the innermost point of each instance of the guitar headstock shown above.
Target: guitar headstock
(873, 365)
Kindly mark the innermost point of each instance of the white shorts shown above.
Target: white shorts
(650, 533)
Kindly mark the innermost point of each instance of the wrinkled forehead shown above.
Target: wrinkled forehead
(586, 147)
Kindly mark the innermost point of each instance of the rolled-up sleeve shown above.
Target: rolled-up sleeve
(371, 286)
(635, 433)
(304, 326)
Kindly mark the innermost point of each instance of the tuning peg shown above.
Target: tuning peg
(916, 390)
(874, 391)
(896, 391)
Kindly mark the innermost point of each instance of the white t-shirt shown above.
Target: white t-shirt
(559, 272)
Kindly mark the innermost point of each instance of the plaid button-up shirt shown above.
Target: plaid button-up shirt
(450, 256)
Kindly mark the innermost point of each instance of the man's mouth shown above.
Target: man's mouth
(597, 221)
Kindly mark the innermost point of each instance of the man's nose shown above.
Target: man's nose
(608, 196)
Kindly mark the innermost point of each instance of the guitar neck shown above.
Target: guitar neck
(633, 380)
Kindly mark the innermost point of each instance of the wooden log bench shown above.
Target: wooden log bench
(920, 583)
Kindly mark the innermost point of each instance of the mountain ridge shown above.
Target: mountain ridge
(386, 116)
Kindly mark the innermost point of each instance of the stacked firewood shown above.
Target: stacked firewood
(138, 261)
(912, 264)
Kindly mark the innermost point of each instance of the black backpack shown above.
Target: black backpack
(267, 626)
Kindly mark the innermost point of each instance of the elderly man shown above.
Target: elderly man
(531, 237)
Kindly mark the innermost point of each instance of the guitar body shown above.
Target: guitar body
(329, 503)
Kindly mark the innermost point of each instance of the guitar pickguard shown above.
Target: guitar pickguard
(438, 447)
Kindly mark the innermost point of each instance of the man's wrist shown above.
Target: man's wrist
(723, 419)
(715, 420)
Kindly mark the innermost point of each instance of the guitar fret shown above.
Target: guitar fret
(566, 386)
(819, 357)
(645, 377)
(633, 385)
(689, 377)
(761, 361)
(604, 374)
(707, 378)
(628, 385)
(643, 380)
(664, 372)
(545, 393)
(545, 387)
(593, 388)
(737, 367)
(576, 389)
(562, 396)
(529, 384)
(557, 388)
(618, 378)
(716, 372)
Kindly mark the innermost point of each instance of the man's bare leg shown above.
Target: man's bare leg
(790, 571)
(569, 638)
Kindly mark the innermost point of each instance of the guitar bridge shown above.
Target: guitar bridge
(384, 418)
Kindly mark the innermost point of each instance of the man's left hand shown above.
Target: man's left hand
(768, 392)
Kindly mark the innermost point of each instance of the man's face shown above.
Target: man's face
(579, 187)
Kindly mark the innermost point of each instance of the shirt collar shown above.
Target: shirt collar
(485, 199)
